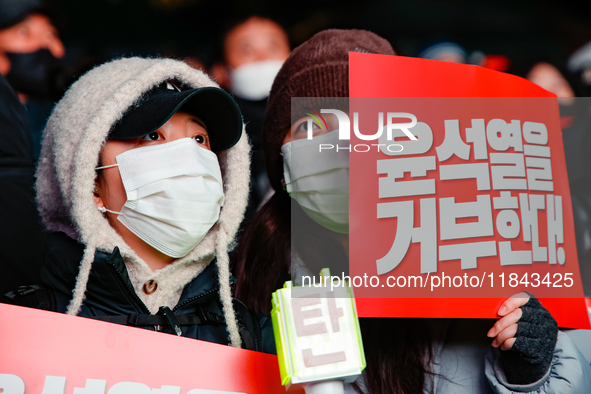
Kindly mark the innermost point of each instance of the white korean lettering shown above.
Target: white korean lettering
(452, 143)
(513, 257)
(530, 205)
(478, 171)
(450, 211)
(535, 133)
(406, 233)
(477, 136)
(130, 388)
(54, 385)
(555, 228)
(539, 174)
(93, 386)
(12, 384)
(508, 177)
(421, 145)
(468, 253)
(502, 135)
(395, 169)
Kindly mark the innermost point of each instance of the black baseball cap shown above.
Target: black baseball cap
(216, 108)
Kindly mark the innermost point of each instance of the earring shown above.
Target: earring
(283, 184)
(95, 192)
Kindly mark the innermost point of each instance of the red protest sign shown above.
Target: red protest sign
(478, 206)
(55, 353)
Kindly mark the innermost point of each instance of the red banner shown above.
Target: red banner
(478, 206)
(46, 352)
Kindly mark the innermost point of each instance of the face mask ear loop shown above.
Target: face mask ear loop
(103, 210)
(223, 262)
(103, 167)
(82, 280)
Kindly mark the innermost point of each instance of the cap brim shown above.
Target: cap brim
(216, 108)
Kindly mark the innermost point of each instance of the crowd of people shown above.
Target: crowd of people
(148, 166)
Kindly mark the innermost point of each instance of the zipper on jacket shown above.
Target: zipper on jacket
(205, 295)
(130, 290)
(140, 303)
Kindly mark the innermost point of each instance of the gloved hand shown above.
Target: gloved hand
(527, 334)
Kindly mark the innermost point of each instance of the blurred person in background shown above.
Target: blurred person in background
(579, 63)
(31, 58)
(21, 237)
(549, 77)
(30, 53)
(253, 51)
(30, 50)
(446, 52)
(575, 119)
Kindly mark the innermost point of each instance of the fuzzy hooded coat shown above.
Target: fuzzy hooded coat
(74, 136)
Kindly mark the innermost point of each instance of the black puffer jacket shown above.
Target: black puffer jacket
(110, 293)
(21, 237)
(73, 140)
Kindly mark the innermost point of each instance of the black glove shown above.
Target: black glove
(531, 355)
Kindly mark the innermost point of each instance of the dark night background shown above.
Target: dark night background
(520, 30)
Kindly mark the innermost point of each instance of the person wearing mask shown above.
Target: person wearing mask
(30, 50)
(253, 50)
(287, 236)
(30, 68)
(143, 182)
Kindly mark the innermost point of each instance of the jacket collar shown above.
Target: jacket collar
(109, 286)
(205, 283)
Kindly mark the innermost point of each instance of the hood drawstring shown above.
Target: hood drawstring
(66, 175)
(223, 262)
(82, 280)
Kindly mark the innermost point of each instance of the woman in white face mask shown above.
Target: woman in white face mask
(318, 179)
(304, 226)
(143, 179)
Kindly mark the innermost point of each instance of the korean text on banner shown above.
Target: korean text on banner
(56, 353)
(478, 206)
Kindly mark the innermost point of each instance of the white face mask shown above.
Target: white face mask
(319, 181)
(174, 194)
(253, 81)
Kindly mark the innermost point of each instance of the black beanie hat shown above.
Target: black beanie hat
(14, 11)
(317, 68)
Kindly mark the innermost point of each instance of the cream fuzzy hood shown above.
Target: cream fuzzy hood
(72, 141)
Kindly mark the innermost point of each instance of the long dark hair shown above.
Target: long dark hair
(264, 254)
(398, 354)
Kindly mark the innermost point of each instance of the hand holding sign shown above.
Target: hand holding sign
(505, 329)
(527, 333)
